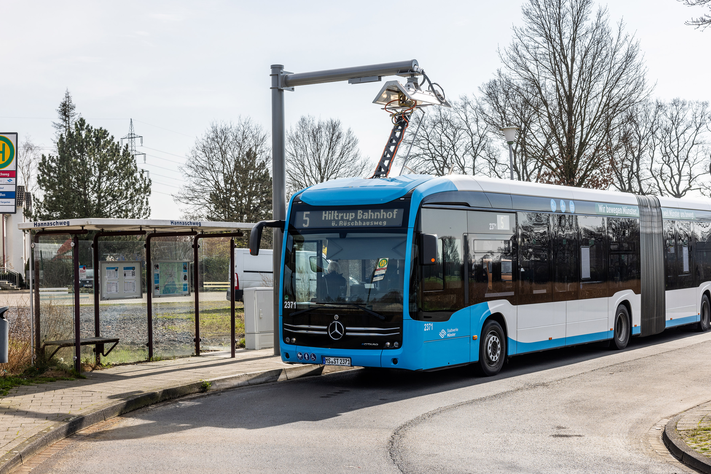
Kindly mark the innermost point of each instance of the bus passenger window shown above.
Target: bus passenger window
(534, 254)
(684, 233)
(564, 253)
(441, 287)
(624, 266)
(491, 273)
(593, 261)
(702, 251)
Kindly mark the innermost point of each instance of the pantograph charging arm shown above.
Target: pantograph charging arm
(401, 121)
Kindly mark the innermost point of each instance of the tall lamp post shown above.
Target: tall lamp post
(510, 132)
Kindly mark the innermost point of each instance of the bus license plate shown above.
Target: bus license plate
(342, 361)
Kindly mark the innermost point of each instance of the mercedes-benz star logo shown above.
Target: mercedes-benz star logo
(336, 330)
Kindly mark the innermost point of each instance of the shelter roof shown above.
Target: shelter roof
(148, 225)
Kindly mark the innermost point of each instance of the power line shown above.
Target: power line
(163, 128)
(166, 152)
(165, 159)
(162, 167)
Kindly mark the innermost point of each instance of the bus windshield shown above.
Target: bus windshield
(344, 268)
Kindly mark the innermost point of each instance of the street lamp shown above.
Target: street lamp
(510, 132)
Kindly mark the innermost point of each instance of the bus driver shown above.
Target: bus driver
(335, 282)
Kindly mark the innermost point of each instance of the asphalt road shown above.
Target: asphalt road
(575, 410)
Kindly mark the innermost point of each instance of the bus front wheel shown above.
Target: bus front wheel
(492, 349)
(705, 314)
(621, 334)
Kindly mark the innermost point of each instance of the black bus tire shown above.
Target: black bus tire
(492, 349)
(704, 314)
(621, 332)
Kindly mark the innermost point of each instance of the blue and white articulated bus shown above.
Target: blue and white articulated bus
(419, 272)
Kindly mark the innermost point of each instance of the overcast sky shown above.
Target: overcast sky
(174, 67)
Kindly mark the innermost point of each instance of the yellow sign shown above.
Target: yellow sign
(7, 151)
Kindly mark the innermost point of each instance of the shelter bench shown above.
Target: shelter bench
(89, 341)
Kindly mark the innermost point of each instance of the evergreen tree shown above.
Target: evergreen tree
(67, 115)
(91, 176)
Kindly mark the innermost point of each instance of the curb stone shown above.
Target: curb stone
(681, 451)
(64, 429)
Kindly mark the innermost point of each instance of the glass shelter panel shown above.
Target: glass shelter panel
(173, 314)
(86, 292)
(123, 318)
(53, 261)
(213, 286)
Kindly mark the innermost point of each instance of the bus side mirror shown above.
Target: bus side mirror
(428, 246)
(255, 237)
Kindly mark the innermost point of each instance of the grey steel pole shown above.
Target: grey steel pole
(278, 186)
(511, 160)
(372, 72)
(32, 299)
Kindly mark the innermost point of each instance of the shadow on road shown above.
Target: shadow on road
(321, 398)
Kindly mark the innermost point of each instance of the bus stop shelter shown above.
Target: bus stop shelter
(120, 276)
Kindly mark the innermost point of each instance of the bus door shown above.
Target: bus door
(541, 320)
(491, 251)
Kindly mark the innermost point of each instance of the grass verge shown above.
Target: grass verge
(699, 439)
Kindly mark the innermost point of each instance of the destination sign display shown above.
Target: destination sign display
(348, 218)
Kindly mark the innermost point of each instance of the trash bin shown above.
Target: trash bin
(4, 335)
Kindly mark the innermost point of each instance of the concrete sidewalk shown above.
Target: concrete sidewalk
(35, 416)
(690, 420)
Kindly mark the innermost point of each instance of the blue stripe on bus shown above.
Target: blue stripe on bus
(670, 323)
(585, 338)
(524, 347)
(636, 330)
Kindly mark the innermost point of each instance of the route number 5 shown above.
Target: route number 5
(306, 218)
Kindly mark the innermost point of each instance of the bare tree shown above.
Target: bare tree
(682, 161)
(27, 163)
(229, 174)
(633, 147)
(439, 148)
(318, 151)
(455, 140)
(701, 22)
(502, 105)
(578, 77)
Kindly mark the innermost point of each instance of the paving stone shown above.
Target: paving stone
(28, 410)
